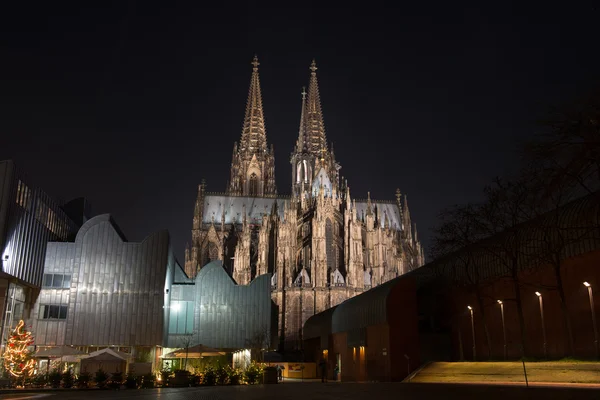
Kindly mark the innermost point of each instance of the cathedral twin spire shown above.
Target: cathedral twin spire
(311, 138)
(253, 163)
(254, 134)
(253, 166)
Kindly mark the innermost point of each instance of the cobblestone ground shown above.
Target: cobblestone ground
(330, 391)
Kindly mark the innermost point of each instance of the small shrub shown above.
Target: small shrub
(54, 378)
(165, 374)
(68, 379)
(195, 380)
(101, 378)
(131, 381)
(210, 376)
(83, 380)
(222, 374)
(253, 373)
(235, 376)
(40, 380)
(116, 380)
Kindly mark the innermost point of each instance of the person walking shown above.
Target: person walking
(336, 372)
(323, 367)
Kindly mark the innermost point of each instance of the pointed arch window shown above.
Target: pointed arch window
(253, 185)
(330, 250)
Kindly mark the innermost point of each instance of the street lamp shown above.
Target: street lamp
(503, 327)
(591, 296)
(539, 295)
(473, 332)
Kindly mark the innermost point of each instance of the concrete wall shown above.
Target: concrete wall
(454, 317)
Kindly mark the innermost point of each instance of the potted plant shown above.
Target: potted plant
(269, 375)
(181, 378)
(148, 381)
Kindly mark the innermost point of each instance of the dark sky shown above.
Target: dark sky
(132, 104)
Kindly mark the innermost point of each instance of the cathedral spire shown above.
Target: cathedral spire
(301, 142)
(254, 134)
(314, 127)
(253, 163)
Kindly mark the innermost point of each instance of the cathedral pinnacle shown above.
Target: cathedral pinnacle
(255, 63)
(301, 143)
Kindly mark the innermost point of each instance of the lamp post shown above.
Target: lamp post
(591, 296)
(539, 295)
(473, 332)
(503, 328)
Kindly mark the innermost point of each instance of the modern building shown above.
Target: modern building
(29, 219)
(450, 310)
(320, 245)
(370, 337)
(214, 311)
(101, 291)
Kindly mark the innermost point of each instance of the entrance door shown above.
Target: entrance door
(338, 367)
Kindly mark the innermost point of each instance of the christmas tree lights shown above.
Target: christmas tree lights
(17, 357)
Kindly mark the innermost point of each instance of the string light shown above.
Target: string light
(17, 357)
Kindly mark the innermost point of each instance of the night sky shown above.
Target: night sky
(132, 104)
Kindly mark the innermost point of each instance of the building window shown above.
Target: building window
(330, 250)
(56, 281)
(23, 195)
(52, 311)
(253, 185)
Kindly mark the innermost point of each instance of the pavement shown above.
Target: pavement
(326, 391)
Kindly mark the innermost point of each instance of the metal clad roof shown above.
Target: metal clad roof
(366, 309)
(256, 207)
(390, 209)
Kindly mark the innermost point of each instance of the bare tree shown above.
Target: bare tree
(455, 239)
(507, 205)
(569, 148)
(258, 343)
(185, 343)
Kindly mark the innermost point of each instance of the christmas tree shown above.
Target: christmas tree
(17, 357)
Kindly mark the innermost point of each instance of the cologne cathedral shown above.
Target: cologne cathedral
(321, 245)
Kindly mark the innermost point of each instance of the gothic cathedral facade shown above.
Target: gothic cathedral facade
(320, 245)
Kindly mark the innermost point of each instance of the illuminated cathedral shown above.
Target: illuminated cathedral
(321, 245)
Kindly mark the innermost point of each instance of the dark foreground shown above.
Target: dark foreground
(329, 391)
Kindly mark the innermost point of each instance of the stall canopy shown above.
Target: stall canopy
(65, 353)
(196, 351)
(108, 360)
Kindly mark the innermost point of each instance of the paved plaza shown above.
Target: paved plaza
(328, 391)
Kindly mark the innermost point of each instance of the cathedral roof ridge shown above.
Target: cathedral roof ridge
(376, 201)
(267, 196)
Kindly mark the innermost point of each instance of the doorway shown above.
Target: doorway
(338, 367)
